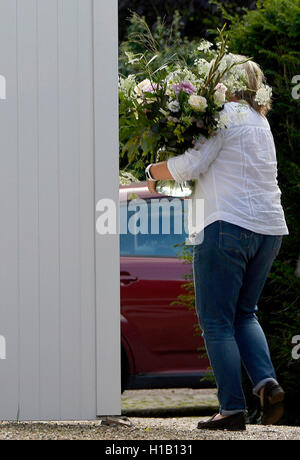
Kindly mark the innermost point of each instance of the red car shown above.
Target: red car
(159, 345)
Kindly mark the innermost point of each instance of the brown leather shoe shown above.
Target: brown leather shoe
(273, 407)
(234, 422)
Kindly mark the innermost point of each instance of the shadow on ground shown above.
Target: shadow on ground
(166, 412)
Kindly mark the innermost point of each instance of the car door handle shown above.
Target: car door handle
(127, 279)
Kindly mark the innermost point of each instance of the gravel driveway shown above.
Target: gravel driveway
(182, 428)
(152, 414)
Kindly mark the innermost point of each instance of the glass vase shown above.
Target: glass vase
(172, 188)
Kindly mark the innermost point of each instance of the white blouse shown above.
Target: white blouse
(236, 175)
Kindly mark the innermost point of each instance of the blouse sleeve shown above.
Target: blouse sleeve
(196, 160)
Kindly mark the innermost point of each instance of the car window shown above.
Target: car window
(152, 227)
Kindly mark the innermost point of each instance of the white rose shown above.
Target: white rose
(141, 87)
(198, 103)
(221, 88)
(220, 94)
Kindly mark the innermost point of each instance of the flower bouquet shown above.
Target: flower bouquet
(175, 106)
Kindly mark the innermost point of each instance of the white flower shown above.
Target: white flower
(220, 94)
(142, 86)
(203, 66)
(139, 89)
(219, 44)
(181, 74)
(234, 79)
(263, 95)
(174, 106)
(169, 91)
(198, 103)
(126, 85)
(204, 46)
(221, 88)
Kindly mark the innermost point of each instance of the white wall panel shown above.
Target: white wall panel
(107, 176)
(9, 214)
(58, 155)
(49, 205)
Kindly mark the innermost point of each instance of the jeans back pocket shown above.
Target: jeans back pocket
(232, 237)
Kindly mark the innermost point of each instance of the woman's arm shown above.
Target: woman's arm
(160, 171)
(189, 165)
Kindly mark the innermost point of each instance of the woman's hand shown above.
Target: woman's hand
(151, 186)
(159, 171)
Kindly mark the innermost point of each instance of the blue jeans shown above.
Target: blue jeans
(230, 268)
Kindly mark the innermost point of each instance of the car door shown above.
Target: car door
(162, 336)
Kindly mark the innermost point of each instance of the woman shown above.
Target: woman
(243, 227)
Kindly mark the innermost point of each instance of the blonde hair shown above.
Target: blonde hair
(256, 78)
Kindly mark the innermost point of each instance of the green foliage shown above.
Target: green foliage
(197, 16)
(167, 41)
